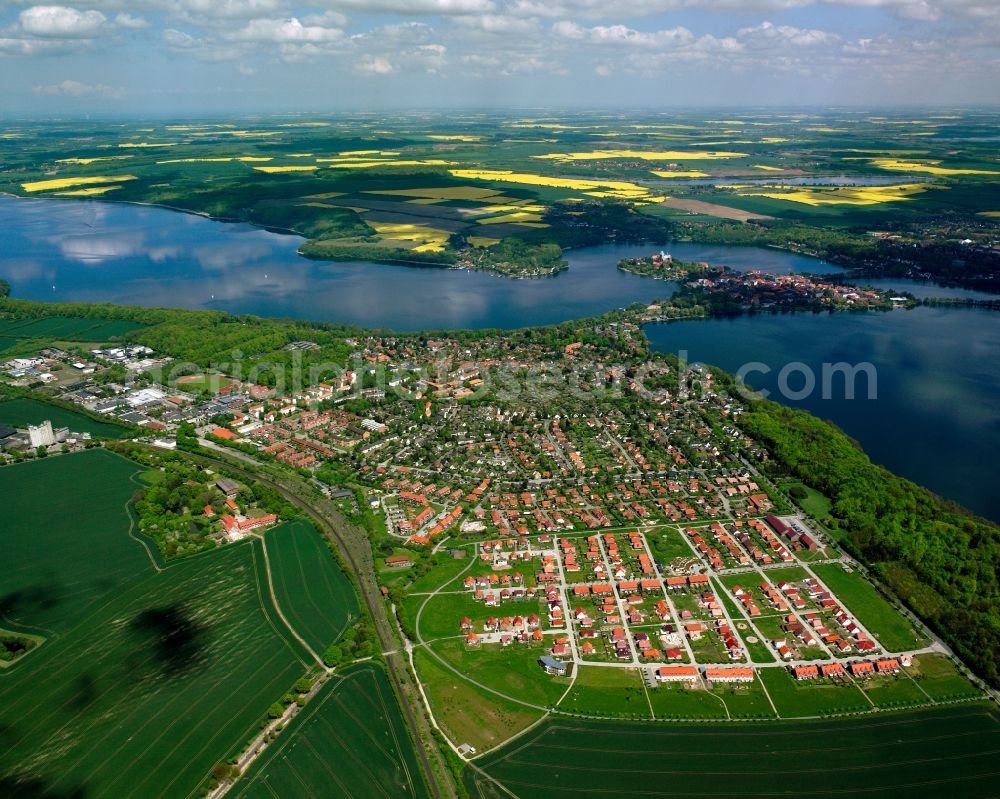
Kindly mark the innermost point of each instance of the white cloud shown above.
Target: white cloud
(284, 31)
(61, 22)
(328, 19)
(212, 10)
(207, 49)
(376, 66)
(769, 35)
(124, 20)
(413, 8)
(73, 88)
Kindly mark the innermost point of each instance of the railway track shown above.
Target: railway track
(356, 551)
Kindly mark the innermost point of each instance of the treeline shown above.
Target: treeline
(942, 561)
(360, 250)
(215, 338)
(585, 224)
(513, 257)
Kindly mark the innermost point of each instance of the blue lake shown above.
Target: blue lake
(936, 419)
(99, 252)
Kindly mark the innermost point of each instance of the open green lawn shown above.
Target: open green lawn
(939, 678)
(66, 539)
(166, 677)
(311, 588)
(467, 713)
(511, 670)
(22, 412)
(442, 616)
(446, 569)
(677, 701)
(895, 691)
(815, 504)
(745, 701)
(862, 599)
(349, 741)
(795, 699)
(606, 691)
(933, 753)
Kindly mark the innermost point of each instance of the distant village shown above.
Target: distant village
(730, 290)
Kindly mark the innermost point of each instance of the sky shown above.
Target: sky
(217, 56)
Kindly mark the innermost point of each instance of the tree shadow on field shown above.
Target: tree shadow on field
(84, 692)
(25, 604)
(31, 786)
(177, 642)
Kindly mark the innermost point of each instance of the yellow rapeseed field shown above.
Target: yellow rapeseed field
(272, 169)
(930, 167)
(767, 168)
(427, 239)
(516, 217)
(354, 163)
(85, 161)
(839, 195)
(689, 173)
(462, 138)
(644, 155)
(145, 144)
(68, 183)
(481, 241)
(443, 193)
(592, 188)
(248, 158)
(91, 192)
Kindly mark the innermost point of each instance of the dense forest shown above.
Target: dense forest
(939, 559)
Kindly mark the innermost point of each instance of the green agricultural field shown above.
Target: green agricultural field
(349, 741)
(58, 559)
(311, 588)
(22, 412)
(67, 329)
(155, 686)
(939, 752)
(862, 599)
